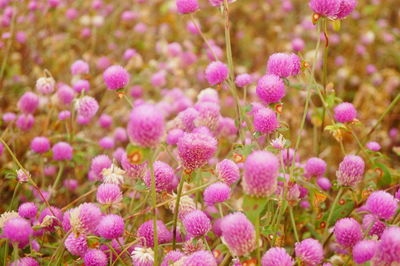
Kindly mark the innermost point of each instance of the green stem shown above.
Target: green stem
(388, 109)
(176, 211)
(338, 195)
(258, 239)
(231, 82)
(58, 178)
(296, 236)
(154, 203)
(15, 251)
(203, 36)
(128, 100)
(13, 196)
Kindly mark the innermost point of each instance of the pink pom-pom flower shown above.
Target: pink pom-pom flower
(216, 72)
(347, 232)
(309, 251)
(116, 77)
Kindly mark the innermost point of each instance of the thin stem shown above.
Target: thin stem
(258, 250)
(338, 195)
(15, 251)
(203, 36)
(58, 178)
(296, 236)
(13, 196)
(176, 211)
(388, 109)
(128, 100)
(154, 203)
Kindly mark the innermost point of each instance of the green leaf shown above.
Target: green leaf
(385, 178)
(253, 207)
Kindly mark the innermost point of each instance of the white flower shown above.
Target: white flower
(45, 85)
(278, 143)
(113, 175)
(7, 216)
(22, 175)
(142, 255)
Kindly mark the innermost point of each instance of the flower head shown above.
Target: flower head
(345, 112)
(238, 234)
(364, 251)
(27, 210)
(87, 107)
(309, 251)
(146, 233)
(260, 174)
(197, 223)
(163, 174)
(351, 170)
(276, 257)
(76, 245)
(28, 102)
(382, 204)
(265, 121)
(227, 171)
(387, 252)
(108, 194)
(270, 88)
(315, 167)
(326, 8)
(200, 258)
(216, 72)
(45, 85)
(111, 226)
(283, 65)
(187, 6)
(95, 257)
(17, 230)
(142, 256)
(217, 192)
(347, 232)
(116, 77)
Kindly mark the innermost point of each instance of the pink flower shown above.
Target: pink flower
(309, 251)
(216, 72)
(276, 257)
(345, 112)
(187, 6)
(116, 77)
(347, 232)
(270, 88)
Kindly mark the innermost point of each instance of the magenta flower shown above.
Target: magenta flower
(40, 144)
(18, 230)
(351, 171)
(116, 77)
(270, 88)
(98, 164)
(364, 251)
(309, 251)
(382, 204)
(345, 112)
(27, 210)
(200, 258)
(111, 226)
(283, 65)
(265, 121)
(315, 167)
(108, 194)
(171, 257)
(146, 125)
(27, 261)
(187, 6)
(373, 146)
(146, 233)
(95, 257)
(79, 67)
(325, 8)
(196, 223)
(260, 174)
(62, 151)
(163, 174)
(76, 245)
(28, 102)
(243, 80)
(195, 149)
(345, 8)
(238, 233)
(276, 257)
(373, 224)
(216, 72)
(216, 193)
(347, 232)
(388, 247)
(87, 107)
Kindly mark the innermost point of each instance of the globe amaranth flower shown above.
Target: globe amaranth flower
(345, 8)
(276, 257)
(163, 176)
(40, 144)
(45, 85)
(142, 256)
(309, 251)
(98, 164)
(146, 125)
(325, 8)
(106, 143)
(265, 121)
(345, 112)
(49, 218)
(227, 171)
(216, 73)
(195, 149)
(108, 194)
(113, 175)
(364, 251)
(17, 230)
(28, 102)
(324, 183)
(196, 223)
(26, 261)
(373, 146)
(79, 67)
(270, 88)
(171, 257)
(243, 80)
(65, 94)
(200, 258)
(116, 77)
(146, 233)
(87, 107)
(260, 174)
(76, 245)
(81, 85)
(216, 193)
(238, 234)
(373, 225)
(382, 204)
(174, 135)
(84, 218)
(347, 232)
(283, 65)
(351, 171)
(27, 210)
(387, 252)
(25, 122)
(111, 226)
(208, 115)
(95, 257)
(315, 167)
